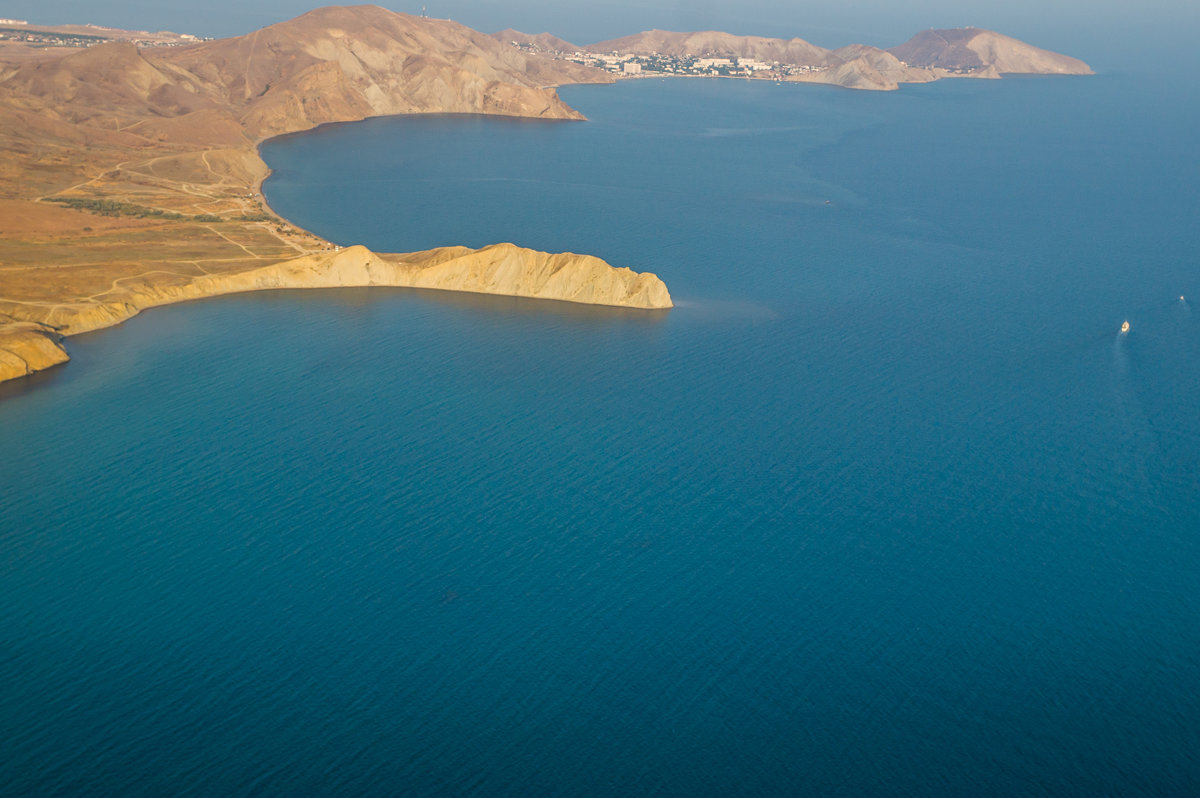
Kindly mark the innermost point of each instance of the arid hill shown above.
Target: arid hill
(861, 66)
(331, 64)
(542, 41)
(975, 48)
(339, 62)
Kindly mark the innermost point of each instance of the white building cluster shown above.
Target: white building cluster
(646, 64)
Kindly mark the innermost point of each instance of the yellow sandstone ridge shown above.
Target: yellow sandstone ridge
(26, 348)
(503, 269)
(515, 271)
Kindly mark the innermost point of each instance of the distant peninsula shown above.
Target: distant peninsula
(930, 55)
(131, 176)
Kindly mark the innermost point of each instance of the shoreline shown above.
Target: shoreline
(29, 344)
(258, 145)
(158, 174)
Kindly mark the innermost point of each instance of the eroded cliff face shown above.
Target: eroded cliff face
(26, 348)
(515, 271)
(502, 269)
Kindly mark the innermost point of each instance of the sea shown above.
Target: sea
(886, 505)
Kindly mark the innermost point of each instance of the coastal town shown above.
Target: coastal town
(658, 64)
(20, 33)
(633, 65)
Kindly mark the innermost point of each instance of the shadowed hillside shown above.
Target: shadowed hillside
(975, 48)
(332, 64)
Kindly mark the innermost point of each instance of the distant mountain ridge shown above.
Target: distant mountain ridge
(715, 43)
(928, 56)
(960, 48)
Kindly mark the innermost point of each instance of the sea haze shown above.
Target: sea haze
(886, 505)
(1090, 29)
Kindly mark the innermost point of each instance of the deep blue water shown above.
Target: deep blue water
(886, 505)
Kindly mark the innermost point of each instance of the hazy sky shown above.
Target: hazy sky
(1081, 27)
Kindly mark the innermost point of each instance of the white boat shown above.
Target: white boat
(1125, 327)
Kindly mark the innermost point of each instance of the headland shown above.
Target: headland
(930, 55)
(131, 176)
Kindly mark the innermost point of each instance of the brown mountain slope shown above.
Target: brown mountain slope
(340, 62)
(717, 44)
(861, 66)
(542, 41)
(332, 64)
(106, 82)
(976, 49)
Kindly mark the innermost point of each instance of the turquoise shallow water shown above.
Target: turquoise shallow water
(884, 506)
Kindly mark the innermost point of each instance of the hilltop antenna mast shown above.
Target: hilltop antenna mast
(423, 14)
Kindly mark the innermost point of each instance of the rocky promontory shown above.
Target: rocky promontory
(503, 269)
(26, 347)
